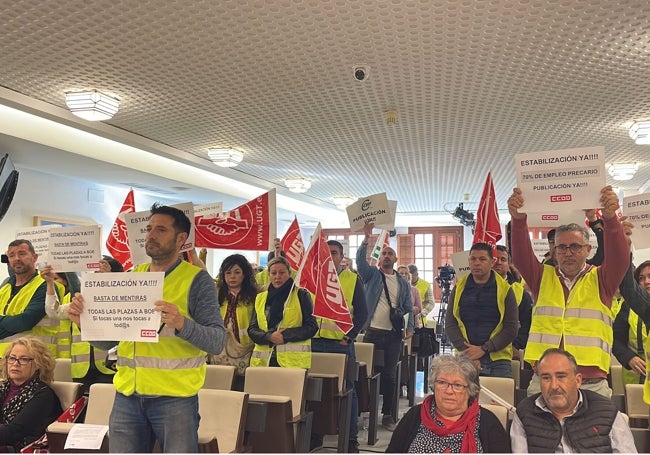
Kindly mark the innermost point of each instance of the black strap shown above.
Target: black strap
(383, 279)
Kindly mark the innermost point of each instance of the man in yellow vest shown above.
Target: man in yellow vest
(630, 335)
(330, 338)
(481, 318)
(22, 300)
(573, 299)
(523, 298)
(424, 288)
(157, 383)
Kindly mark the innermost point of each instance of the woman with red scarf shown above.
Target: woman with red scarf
(450, 420)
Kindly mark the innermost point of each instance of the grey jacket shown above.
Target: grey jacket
(374, 287)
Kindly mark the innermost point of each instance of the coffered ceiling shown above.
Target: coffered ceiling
(473, 83)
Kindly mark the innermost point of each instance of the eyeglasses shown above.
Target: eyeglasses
(444, 385)
(21, 361)
(574, 247)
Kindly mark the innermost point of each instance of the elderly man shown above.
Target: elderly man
(22, 299)
(385, 289)
(573, 299)
(481, 320)
(157, 383)
(563, 418)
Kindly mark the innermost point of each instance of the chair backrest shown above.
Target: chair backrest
(68, 392)
(365, 353)
(503, 387)
(287, 382)
(516, 368)
(500, 412)
(223, 415)
(219, 377)
(63, 370)
(100, 403)
(636, 408)
(616, 374)
(330, 363)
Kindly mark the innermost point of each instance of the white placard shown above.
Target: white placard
(119, 306)
(75, 249)
(540, 247)
(371, 209)
(460, 261)
(637, 210)
(40, 238)
(84, 436)
(561, 181)
(208, 210)
(188, 209)
(393, 211)
(136, 229)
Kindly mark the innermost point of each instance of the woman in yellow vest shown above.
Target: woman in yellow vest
(282, 323)
(237, 290)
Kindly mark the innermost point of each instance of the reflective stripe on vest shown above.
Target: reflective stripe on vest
(328, 328)
(296, 354)
(80, 356)
(502, 290)
(583, 321)
(46, 330)
(172, 366)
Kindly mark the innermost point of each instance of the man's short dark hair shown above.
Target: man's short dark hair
(181, 222)
(482, 246)
(115, 265)
(550, 235)
(19, 242)
(337, 244)
(559, 351)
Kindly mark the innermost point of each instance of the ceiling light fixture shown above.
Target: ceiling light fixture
(92, 105)
(299, 185)
(342, 202)
(622, 171)
(225, 157)
(640, 132)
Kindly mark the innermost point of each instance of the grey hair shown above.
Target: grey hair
(573, 227)
(460, 365)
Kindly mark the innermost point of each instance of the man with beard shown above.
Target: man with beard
(22, 299)
(158, 383)
(563, 418)
(481, 320)
(385, 290)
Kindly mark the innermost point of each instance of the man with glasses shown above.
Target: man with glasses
(22, 299)
(573, 299)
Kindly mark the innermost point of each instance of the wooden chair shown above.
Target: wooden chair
(98, 411)
(63, 370)
(332, 411)
(288, 424)
(68, 392)
(368, 387)
(636, 408)
(503, 387)
(220, 377)
(616, 378)
(223, 420)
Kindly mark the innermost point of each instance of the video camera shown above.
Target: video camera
(446, 274)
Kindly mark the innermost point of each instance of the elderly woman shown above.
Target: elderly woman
(282, 324)
(450, 420)
(29, 405)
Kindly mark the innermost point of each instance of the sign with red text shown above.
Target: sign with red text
(75, 249)
(560, 181)
(119, 306)
(637, 210)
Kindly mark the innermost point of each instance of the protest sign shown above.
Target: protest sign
(75, 249)
(40, 238)
(460, 261)
(371, 209)
(136, 228)
(119, 306)
(637, 210)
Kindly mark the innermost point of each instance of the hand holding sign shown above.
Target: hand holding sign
(515, 202)
(609, 202)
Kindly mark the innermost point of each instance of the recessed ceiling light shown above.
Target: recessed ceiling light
(622, 171)
(225, 157)
(343, 201)
(640, 132)
(92, 105)
(299, 185)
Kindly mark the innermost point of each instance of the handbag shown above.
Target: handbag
(396, 313)
(427, 344)
(234, 353)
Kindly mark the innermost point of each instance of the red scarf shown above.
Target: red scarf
(466, 424)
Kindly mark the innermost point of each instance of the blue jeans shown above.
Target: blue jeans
(495, 368)
(137, 422)
(390, 342)
(325, 345)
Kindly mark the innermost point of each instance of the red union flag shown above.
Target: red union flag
(117, 242)
(488, 227)
(251, 226)
(318, 275)
(292, 245)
